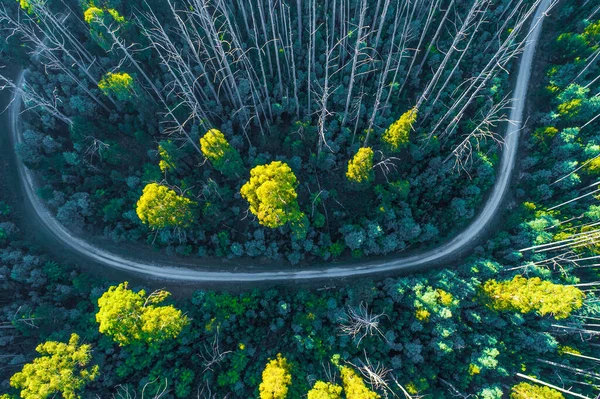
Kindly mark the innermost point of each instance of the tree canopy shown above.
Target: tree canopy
(360, 168)
(220, 153)
(167, 159)
(130, 317)
(396, 137)
(276, 379)
(94, 13)
(533, 294)
(61, 369)
(271, 193)
(525, 390)
(354, 386)
(160, 207)
(118, 85)
(325, 390)
(99, 20)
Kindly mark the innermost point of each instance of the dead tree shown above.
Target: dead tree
(386, 164)
(507, 50)
(360, 323)
(402, 47)
(476, 12)
(430, 14)
(127, 392)
(537, 381)
(48, 47)
(375, 374)
(435, 37)
(213, 354)
(326, 91)
(484, 131)
(32, 99)
(357, 51)
(383, 76)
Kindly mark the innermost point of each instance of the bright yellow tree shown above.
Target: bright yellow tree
(354, 386)
(61, 369)
(530, 391)
(360, 168)
(160, 207)
(396, 137)
(99, 20)
(220, 153)
(325, 390)
(27, 6)
(165, 151)
(276, 379)
(533, 295)
(129, 316)
(118, 85)
(271, 193)
(92, 14)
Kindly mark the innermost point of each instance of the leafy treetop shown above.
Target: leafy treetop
(220, 153)
(396, 137)
(325, 390)
(26, 5)
(61, 369)
(165, 151)
(271, 192)
(360, 168)
(130, 317)
(160, 207)
(527, 295)
(119, 85)
(94, 13)
(354, 386)
(276, 379)
(525, 390)
(99, 20)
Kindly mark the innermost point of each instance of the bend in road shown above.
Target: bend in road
(175, 272)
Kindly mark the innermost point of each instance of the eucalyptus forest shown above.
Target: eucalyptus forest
(322, 199)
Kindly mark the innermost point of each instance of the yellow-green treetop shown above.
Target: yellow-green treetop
(99, 19)
(533, 294)
(26, 6)
(94, 13)
(61, 368)
(130, 317)
(271, 193)
(354, 386)
(525, 390)
(325, 390)
(396, 137)
(116, 16)
(160, 207)
(593, 166)
(166, 162)
(119, 85)
(276, 379)
(220, 153)
(360, 168)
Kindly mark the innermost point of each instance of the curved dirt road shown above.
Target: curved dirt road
(176, 271)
